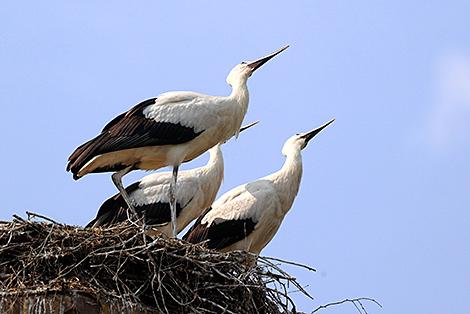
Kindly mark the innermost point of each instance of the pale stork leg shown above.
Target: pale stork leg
(117, 180)
(173, 200)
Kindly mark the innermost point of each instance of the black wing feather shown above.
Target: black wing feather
(196, 233)
(114, 211)
(220, 234)
(139, 107)
(130, 130)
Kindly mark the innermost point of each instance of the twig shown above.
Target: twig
(353, 301)
(287, 262)
(32, 215)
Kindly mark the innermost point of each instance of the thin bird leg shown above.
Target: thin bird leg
(173, 199)
(117, 180)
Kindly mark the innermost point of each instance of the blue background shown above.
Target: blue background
(383, 209)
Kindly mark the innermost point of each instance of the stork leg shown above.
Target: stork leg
(117, 180)
(173, 200)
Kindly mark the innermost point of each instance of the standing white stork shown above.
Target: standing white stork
(168, 130)
(196, 191)
(248, 216)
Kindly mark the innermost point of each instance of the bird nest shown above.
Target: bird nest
(46, 267)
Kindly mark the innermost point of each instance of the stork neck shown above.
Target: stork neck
(240, 94)
(287, 180)
(216, 159)
(214, 169)
(240, 97)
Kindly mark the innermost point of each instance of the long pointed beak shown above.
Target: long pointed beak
(243, 128)
(309, 135)
(258, 63)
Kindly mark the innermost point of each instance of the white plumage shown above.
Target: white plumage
(168, 130)
(248, 216)
(196, 190)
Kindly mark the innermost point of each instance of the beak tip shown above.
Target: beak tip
(328, 123)
(311, 134)
(282, 49)
(258, 63)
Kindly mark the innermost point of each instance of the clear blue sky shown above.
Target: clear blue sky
(384, 206)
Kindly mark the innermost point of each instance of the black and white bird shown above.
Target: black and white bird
(168, 130)
(196, 191)
(248, 216)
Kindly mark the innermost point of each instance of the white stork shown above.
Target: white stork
(248, 216)
(167, 130)
(196, 190)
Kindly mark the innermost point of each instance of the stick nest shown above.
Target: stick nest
(122, 267)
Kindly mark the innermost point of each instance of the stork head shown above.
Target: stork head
(300, 140)
(241, 72)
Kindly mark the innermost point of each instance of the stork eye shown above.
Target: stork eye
(243, 62)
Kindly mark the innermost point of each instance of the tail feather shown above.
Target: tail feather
(198, 232)
(82, 155)
(113, 210)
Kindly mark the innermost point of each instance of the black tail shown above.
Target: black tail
(113, 210)
(83, 154)
(198, 232)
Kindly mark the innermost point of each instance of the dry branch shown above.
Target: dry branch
(357, 302)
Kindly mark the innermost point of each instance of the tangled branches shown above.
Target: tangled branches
(122, 267)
